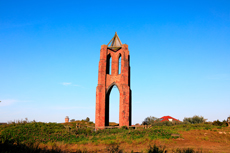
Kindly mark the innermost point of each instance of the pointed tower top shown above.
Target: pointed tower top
(115, 42)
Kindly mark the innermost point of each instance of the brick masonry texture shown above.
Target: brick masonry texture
(107, 81)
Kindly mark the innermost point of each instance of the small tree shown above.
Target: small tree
(87, 119)
(195, 119)
(150, 120)
(72, 120)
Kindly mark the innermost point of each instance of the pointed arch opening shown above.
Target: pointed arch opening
(119, 64)
(108, 64)
(112, 105)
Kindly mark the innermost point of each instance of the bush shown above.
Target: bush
(165, 123)
(72, 120)
(155, 149)
(150, 120)
(219, 123)
(187, 150)
(194, 120)
(124, 127)
(87, 119)
(114, 148)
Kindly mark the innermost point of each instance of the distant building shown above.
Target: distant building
(66, 119)
(168, 118)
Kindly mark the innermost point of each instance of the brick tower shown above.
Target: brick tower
(66, 119)
(109, 76)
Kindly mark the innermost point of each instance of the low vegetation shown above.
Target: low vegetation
(34, 148)
(194, 120)
(219, 123)
(9, 147)
(154, 121)
(27, 136)
(24, 133)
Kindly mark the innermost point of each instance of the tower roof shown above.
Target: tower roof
(115, 42)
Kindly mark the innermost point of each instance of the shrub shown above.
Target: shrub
(164, 123)
(72, 120)
(150, 120)
(87, 119)
(194, 120)
(88, 131)
(155, 149)
(114, 148)
(124, 127)
(187, 150)
(219, 123)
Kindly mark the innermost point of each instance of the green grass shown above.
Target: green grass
(36, 132)
(25, 136)
(24, 133)
(188, 127)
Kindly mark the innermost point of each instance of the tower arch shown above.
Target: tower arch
(111, 87)
(115, 50)
(107, 102)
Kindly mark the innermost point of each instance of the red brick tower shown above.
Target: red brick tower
(106, 80)
(66, 119)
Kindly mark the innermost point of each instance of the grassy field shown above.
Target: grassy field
(54, 137)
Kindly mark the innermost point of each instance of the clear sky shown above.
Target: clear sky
(49, 55)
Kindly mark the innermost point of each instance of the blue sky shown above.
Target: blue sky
(49, 54)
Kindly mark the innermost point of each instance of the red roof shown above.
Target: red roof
(166, 118)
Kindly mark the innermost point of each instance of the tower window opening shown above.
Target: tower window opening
(109, 64)
(119, 66)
